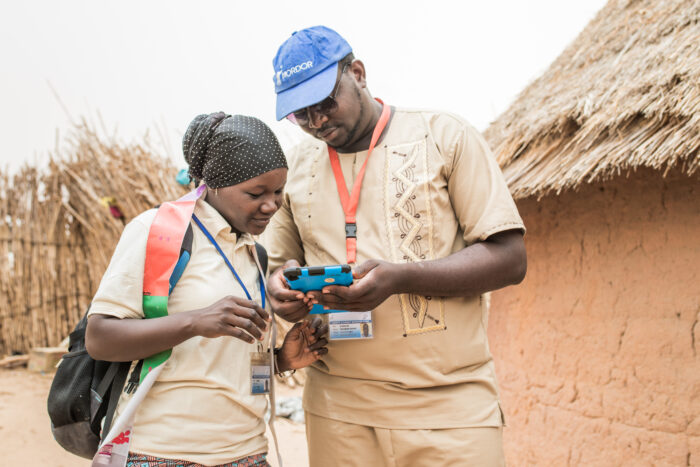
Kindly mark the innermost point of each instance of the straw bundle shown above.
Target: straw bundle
(624, 94)
(56, 238)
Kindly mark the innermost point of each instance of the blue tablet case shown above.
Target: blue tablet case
(316, 278)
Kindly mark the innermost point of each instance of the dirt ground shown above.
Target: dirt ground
(25, 433)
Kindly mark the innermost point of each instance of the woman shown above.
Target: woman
(202, 409)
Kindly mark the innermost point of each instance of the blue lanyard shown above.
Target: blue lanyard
(228, 263)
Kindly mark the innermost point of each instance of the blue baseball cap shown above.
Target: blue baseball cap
(305, 68)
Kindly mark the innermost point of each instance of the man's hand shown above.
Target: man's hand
(374, 282)
(291, 305)
(304, 344)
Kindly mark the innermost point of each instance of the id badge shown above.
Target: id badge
(350, 325)
(260, 373)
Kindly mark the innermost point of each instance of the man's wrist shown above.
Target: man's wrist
(399, 279)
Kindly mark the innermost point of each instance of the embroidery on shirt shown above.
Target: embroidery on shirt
(405, 166)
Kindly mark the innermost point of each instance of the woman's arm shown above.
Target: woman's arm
(121, 340)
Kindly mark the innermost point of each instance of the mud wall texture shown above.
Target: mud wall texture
(597, 350)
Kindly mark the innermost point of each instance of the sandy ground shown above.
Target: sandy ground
(25, 433)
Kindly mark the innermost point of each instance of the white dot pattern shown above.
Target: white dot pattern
(225, 150)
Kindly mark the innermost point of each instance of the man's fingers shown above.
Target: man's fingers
(281, 295)
(360, 271)
(331, 300)
(278, 286)
(290, 263)
(345, 293)
(288, 294)
(313, 294)
(338, 303)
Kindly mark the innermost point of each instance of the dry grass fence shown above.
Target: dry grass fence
(56, 238)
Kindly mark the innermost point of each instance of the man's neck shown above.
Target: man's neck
(362, 143)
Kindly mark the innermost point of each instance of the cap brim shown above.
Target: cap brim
(308, 92)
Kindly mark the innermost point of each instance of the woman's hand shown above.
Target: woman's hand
(304, 344)
(231, 316)
(291, 305)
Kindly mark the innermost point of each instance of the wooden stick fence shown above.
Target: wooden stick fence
(56, 237)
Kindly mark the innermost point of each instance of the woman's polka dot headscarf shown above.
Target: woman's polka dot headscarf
(225, 150)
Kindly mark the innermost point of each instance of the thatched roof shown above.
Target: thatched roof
(624, 94)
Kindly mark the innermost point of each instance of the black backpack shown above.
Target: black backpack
(86, 391)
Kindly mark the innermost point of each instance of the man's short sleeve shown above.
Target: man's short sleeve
(478, 192)
(120, 293)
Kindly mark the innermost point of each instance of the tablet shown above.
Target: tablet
(310, 278)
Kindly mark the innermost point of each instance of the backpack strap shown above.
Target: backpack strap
(262, 257)
(120, 373)
(185, 255)
(107, 379)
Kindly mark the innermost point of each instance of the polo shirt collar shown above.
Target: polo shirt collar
(217, 225)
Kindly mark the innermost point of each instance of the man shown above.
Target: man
(429, 228)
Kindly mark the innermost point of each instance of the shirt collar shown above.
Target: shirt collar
(218, 226)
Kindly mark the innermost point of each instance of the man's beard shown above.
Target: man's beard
(350, 138)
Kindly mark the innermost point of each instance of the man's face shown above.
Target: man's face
(338, 128)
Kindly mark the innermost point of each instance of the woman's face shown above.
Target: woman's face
(249, 206)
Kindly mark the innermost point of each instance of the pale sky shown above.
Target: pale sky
(142, 65)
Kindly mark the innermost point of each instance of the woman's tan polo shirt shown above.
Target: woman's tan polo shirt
(200, 409)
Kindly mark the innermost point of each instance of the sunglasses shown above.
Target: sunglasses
(326, 107)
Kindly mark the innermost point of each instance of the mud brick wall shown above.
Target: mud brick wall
(597, 350)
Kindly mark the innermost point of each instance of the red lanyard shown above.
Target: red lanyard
(349, 201)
